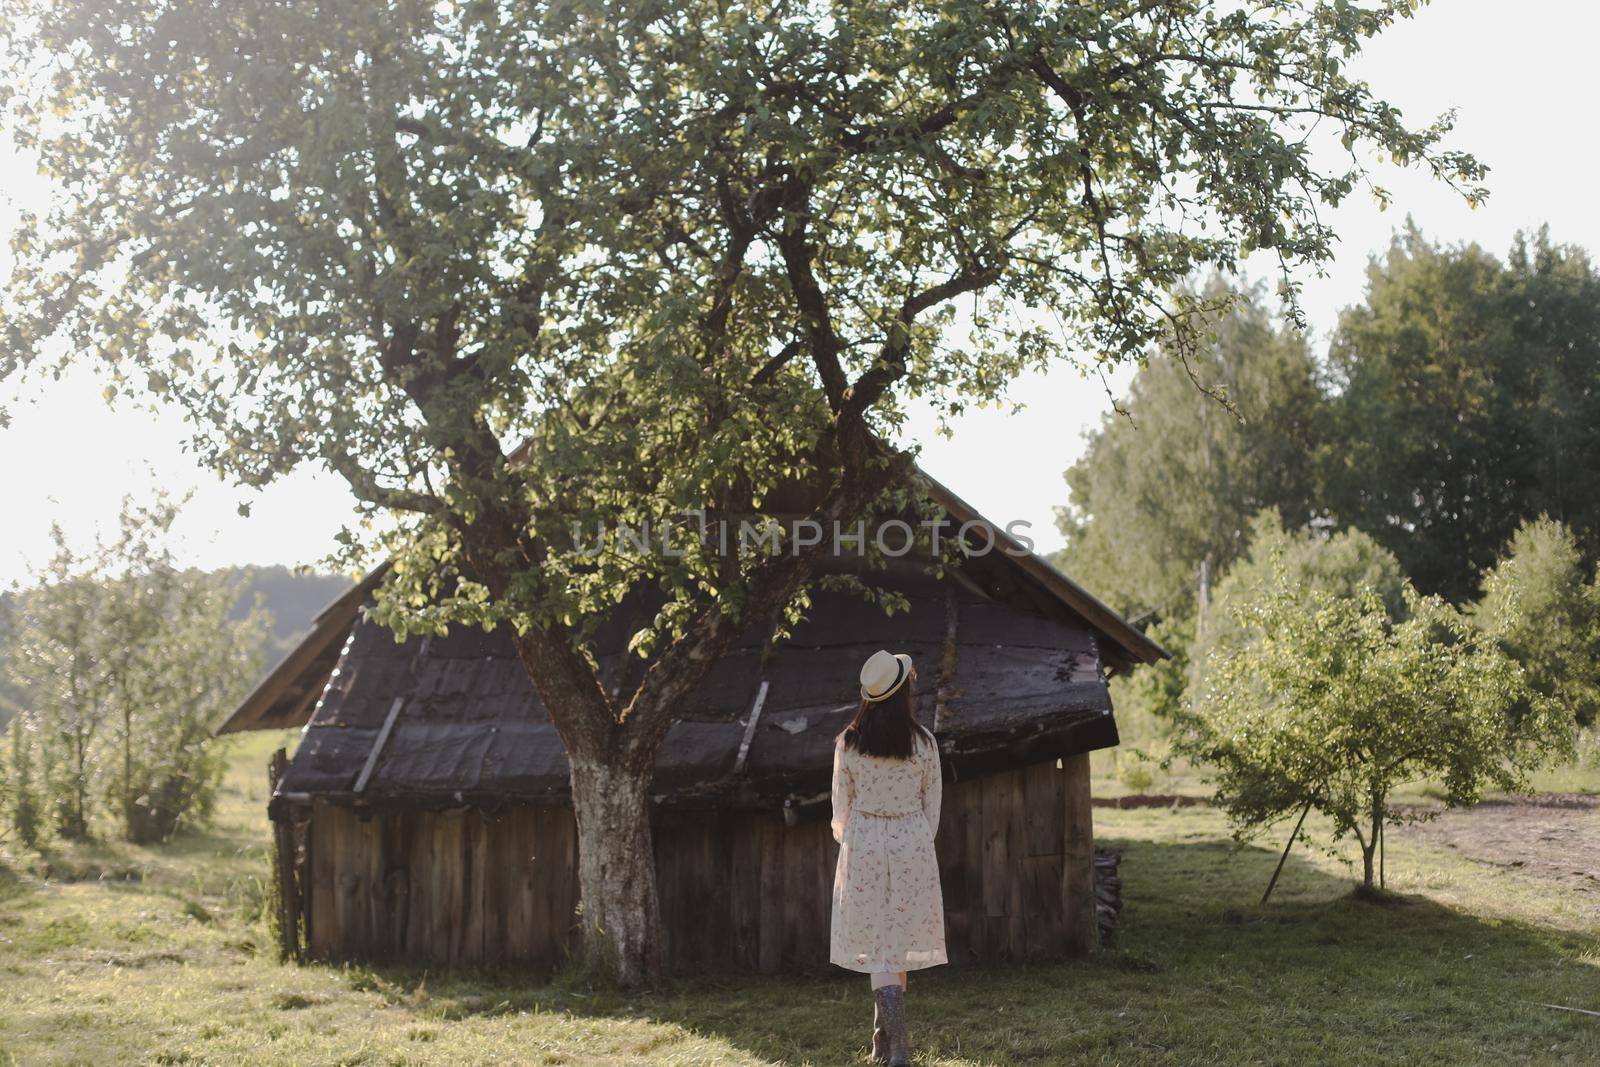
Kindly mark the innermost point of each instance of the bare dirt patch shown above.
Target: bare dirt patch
(1150, 800)
(1551, 837)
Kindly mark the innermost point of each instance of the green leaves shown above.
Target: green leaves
(1542, 605)
(1467, 393)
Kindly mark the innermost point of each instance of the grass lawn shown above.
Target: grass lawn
(120, 955)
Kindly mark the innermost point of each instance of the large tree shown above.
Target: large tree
(1468, 401)
(684, 251)
(1208, 435)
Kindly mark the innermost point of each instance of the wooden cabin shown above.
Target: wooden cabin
(424, 815)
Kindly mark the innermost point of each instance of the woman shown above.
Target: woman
(888, 914)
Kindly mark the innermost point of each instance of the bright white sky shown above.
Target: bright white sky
(1522, 77)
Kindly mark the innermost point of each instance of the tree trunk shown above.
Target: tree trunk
(129, 831)
(1369, 847)
(74, 819)
(618, 909)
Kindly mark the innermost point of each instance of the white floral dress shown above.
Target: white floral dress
(888, 912)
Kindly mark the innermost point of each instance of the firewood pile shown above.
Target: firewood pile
(1107, 892)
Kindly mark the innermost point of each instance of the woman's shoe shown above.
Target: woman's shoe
(892, 1004)
(880, 1036)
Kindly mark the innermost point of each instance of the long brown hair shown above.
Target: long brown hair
(887, 727)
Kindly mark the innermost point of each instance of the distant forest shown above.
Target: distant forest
(292, 600)
(1447, 436)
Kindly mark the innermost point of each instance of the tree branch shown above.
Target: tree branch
(366, 487)
(890, 365)
(815, 321)
(674, 674)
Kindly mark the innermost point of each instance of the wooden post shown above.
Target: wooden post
(288, 903)
(947, 660)
(1279, 869)
(1077, 860)
(300, 849)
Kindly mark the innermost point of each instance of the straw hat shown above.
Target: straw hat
(883, 673)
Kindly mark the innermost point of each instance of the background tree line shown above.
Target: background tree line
(1447, 434)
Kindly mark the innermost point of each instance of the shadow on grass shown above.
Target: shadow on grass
(1199, 973)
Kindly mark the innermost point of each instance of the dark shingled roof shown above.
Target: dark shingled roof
(1002, 684)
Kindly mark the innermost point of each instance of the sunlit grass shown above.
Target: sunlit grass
(159, 956)
(1134, 768)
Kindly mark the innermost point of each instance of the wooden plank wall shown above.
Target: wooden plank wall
(738, 890)
(442, 887)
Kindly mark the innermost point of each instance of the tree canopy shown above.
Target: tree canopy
(402, 239)
(1542, 603)
(1342, 563)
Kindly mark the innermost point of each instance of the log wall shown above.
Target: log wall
(738, 890)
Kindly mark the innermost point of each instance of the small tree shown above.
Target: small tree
(175, 662)
(54, 662)
(1328, 702)
(1342, 564)
(1538, 604)
(124, 663)
(18, 790)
